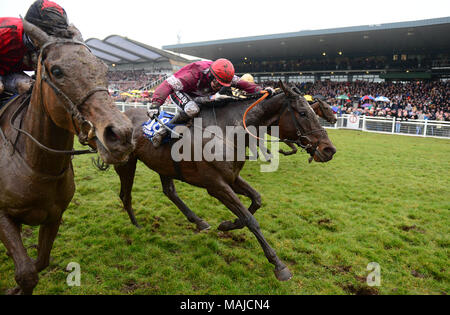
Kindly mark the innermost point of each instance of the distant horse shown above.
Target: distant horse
(70, 96)
(289, 111)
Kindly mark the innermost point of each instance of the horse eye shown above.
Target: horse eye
(303, 114)
(57, 72)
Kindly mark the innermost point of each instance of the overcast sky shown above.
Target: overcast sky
(159, 23)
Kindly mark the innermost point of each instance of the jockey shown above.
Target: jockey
(196, 82)
(18, 53)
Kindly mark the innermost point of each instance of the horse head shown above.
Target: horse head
(298, 123)
(323, 109)
(72, 85)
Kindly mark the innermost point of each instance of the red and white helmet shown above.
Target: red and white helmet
(223, 70)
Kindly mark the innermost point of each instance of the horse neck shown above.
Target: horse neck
(40, 125)
(266, 113)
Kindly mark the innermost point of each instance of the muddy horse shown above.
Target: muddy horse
(298, 123)
(37, 131)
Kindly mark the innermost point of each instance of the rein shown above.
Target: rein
(86, 130)
(40, 145)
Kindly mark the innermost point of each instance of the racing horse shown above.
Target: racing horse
(323, 110)
(298, 123)
(37, 132)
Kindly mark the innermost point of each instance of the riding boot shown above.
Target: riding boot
(158, 137)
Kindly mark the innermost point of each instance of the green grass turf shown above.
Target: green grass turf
(383, 199)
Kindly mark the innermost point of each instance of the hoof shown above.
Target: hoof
(283, 274)
(226, 226)
(203, 225)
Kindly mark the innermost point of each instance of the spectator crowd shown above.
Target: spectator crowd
(413, 100)
(124, 80)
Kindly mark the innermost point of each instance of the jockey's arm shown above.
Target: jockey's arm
(161, 93)
(248, 87)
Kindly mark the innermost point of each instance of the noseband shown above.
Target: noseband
(86, 130)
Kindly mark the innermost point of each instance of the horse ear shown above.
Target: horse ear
(36, 34)
(76, 33)
(285, 89)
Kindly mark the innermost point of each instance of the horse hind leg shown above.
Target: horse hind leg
(170, 191)
(126, 174)
(26, 274)
(226, 195)
(241, 187)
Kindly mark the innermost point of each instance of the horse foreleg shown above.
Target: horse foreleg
(47, 235)
(240, 186)
(26, 274)
(126, 174)
(170, 191)
(293, 151)
(266, 152)
(226, 195)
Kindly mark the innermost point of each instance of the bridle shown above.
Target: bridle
(86, 130)
(301, 134)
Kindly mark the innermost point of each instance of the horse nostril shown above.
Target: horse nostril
(330, 150)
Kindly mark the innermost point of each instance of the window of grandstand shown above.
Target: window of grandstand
(301, 79)
(367, 77)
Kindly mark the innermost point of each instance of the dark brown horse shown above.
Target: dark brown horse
(323, 110)
(69, 97)
(298, 123)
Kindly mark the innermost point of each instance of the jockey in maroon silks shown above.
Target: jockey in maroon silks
(17, 50)
(196, 82)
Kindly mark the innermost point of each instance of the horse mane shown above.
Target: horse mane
(234, 100)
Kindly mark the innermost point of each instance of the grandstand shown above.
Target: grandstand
(386, 52)
(134, 65)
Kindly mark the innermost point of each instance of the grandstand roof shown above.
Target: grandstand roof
(118, 50)
(404, 37)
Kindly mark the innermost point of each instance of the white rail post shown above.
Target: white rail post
(364, 123)
(425, 127)
(393, 124)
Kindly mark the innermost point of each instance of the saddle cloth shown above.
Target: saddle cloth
(152, 126)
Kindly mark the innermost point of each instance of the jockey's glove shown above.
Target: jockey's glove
(219, 97)
(153, 110)
(271, 91)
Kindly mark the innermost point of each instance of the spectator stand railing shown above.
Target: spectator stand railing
(155, 83)
(411, 127)
(420, 128)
